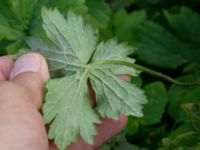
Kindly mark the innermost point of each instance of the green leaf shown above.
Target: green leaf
(72, 36)
(74, 49)
(9, 16)
(111, 50)
(58, 59)
(137, 81)
(191, 68)
(154, 1)
(132, 125)
(181, 25)
(118, 4)
(23, 10)
(35, 28)
(14, 22)
(77, 6)
(158, 98)
(111, 92)
(10, 26)
(98, 12)
(14, 47)
(185, 140)
(74, 42)
(69, 110)
(180, 95)
(184, 128)
(7, 32)
(155, 43)
(127, 30)
(193, 111)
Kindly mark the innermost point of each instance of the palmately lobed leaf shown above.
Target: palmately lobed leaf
(67, 105)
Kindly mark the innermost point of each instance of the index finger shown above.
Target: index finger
(6, 63)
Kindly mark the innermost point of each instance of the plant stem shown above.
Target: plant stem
(147, 70)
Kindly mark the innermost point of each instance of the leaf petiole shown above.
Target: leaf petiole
(146, 70)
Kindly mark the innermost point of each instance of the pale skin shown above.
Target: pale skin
(21, 94)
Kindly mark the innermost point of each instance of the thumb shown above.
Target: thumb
(30, 72)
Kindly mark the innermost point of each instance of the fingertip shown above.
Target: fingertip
(30, 72)
(30, 62)
(125, 77)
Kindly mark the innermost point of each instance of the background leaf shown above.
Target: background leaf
(155, 44)
(181, 25)
(180, 95)
(186, 140)
(23, 10)
(126, 25)
(98, 12)
(155, 108)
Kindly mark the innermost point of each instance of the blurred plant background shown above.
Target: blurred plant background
(166, 36)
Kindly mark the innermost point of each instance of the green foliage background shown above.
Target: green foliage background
(166, 34)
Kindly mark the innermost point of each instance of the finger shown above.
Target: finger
(125, 77)
(21, 124)
(6, 64)
(108, 129)
(30, 71)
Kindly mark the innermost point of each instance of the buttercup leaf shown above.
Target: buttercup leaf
(74, 50)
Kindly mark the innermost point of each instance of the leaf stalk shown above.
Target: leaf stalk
(147, 70)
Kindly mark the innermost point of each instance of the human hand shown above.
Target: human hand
(22, 90)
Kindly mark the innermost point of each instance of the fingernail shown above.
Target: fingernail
(26, 63)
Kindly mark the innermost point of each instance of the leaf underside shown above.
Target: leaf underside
(74, 53)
